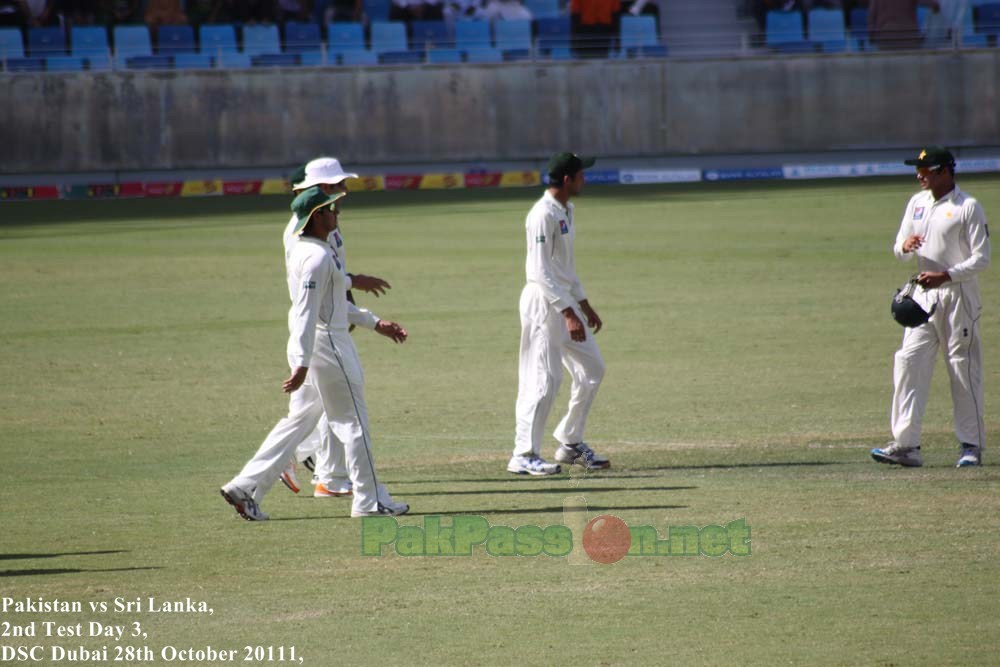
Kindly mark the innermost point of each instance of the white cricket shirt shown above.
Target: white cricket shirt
(551, 264)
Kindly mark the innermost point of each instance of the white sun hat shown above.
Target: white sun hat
(323, 171)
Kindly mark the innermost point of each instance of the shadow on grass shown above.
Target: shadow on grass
(60, 553)
(514, 479)
(69, 570)
(737, 466)
(575, 489)
(551, 510)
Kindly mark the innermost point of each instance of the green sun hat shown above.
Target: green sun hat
(308, 202)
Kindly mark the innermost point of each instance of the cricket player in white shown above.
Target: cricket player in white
(321, 447)
(323, 359)
(946, 230)
(553, 309)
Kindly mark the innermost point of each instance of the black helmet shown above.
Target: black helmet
(905, 310)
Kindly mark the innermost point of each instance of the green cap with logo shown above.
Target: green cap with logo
(934, 157)
(567, 164)
(308, 202)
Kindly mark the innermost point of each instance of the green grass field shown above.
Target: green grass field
(748, 343)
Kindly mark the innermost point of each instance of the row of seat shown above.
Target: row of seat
(261, 45)
(827, 32)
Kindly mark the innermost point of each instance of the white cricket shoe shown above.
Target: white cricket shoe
(532, 465)
(243, 502)
(387, 506)
(897, 454)
(288, 477)
(338, 488)
(583, 455)
(971, 456)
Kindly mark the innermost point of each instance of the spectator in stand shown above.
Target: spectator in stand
(643, 8)
(343, 11)
(210, 11)
(293, 10)
(892, 24)
(595, 26)
(165, 12)
(120, 11)
(79, 12)
(42, 13)
(252, 11)
(13, 13)
(506, 10)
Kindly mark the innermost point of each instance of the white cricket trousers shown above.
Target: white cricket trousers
(336, 378)
(545, 344)
(955, 327)
(327, 452)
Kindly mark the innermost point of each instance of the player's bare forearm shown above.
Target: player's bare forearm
(391, 330)
(371, 284)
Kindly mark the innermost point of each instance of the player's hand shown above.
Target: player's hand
(296, 379)
(574, 326)
(593, 319)
(932, 279)
(912, 243)
(391, 330)
(369, 284)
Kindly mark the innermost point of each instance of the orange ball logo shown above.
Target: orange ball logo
(606, 539)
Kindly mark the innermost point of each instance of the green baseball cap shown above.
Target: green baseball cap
(933, 157)
(308, 202)
(567, 164)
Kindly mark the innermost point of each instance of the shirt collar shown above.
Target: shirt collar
(568, 208)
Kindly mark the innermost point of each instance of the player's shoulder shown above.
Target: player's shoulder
(308, 252)
(964, 199)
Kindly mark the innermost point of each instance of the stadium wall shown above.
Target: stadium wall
(101, 121)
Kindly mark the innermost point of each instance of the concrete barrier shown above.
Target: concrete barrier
(104, 121)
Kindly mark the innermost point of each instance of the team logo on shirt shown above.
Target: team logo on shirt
(309, 284)
(918, 213)
(563, 227)
(540, 238)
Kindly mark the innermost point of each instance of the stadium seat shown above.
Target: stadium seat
(44, 42)
(90, 42)
(553, 35)
(232, 60)
(427, 35)
(784, 30)
(987, 19)
(131, 41)
(543, 9)
(486, 54)
(377, 10)
(261, 40)
(11, 43)
(859, 28)
(473, 36)
(193, 61)
(388, 36)
(215, 40)
(302, 38)
(65, 64)
(922, 13)
(275, 60)
(25, 64)
(827, 30)
(444, 56)
(637, 32)
(400, 57)
(312, 58)
(648, 51)
(358, 58)
(149, 62)
(968, 37)
(343, 38)
(174, 39)
(513, 38)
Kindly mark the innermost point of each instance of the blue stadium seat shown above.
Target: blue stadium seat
(149, 62)
(261, 39)
(444, 56)
(513, 38)
(174, 39)
(275, 60)
(400, 57)
(302, 37)
(553, 35)
(426, 35)
(377, 10)
(969, 38)
(131, 41)
(65, 64)
(25, 64)
(388, 36)
(89, 42)
(474, 36)
(11, 43)
(356, 58)
(312, 58)
(193, 61)
(232, 60)
(785, 30)
(827, 30)
(217, 39)
(922, 13)
(859, 28)
(987, 19)
(637, 32)
(486, 54)
(44, 42)
(543, 9)
(648, 51)
(343, 38)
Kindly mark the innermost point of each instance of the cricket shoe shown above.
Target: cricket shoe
(532, 465)
(387, 506)
(583, 455)
(243, 502)
(971, 456)
(340, 488)
(288, 478)
(897, 454)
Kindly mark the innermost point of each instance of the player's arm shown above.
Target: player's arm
(305, 310)
(978, 236)
(371, 284)
(542, 230)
